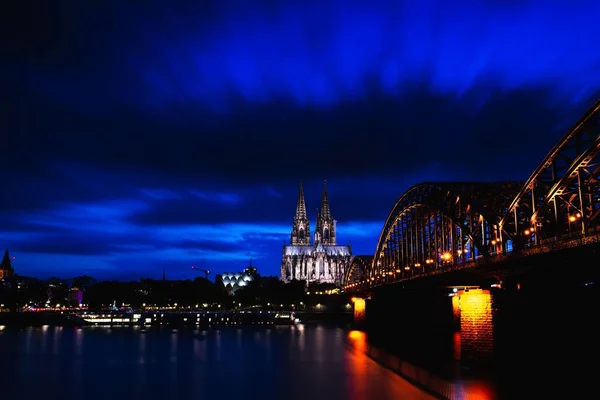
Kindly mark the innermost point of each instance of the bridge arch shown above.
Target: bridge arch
(358, 270)
(436, 224)
(562, 196)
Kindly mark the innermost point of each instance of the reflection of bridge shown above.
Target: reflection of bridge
(439, 227)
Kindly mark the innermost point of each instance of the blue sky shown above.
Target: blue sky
(135, 138)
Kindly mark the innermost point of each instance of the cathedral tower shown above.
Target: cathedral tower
(325, 232)
(301, 226)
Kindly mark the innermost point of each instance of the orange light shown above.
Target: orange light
(359, 309)
(572, 219)
(527, 232)
(358, 340)
(446, 256)
(475, 320)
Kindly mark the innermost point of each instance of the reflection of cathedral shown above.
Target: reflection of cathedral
(323, 261)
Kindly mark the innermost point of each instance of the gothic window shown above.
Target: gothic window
(301, 234)
(326, 234)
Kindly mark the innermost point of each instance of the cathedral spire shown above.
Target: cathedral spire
(301, 205)
(301, 228)
(325, 223)
(325, 212)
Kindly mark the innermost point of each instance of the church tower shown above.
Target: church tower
(6, 268)
(325, 232)
(301, 226)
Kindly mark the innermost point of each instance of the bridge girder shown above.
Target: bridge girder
(434, 223)
(358, 269)
(562, 195)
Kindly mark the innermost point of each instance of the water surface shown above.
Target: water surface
(125, 363)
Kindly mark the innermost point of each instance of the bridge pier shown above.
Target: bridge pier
(360, 309)
(440, 323)
(473, 320)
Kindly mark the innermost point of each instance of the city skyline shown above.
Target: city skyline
(142, 139)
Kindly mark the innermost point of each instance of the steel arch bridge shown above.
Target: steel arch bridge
(358, 269)
(436, 227)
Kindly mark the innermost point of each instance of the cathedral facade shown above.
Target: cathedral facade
(323, 260)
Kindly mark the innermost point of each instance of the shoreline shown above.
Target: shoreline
(179, 320)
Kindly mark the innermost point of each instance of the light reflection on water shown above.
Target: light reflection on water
(229, 363)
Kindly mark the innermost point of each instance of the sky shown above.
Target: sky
(137, 136)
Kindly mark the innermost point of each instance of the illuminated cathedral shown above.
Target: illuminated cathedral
(323, 260)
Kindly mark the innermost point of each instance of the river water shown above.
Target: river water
(301, 362)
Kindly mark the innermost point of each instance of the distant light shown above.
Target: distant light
(455, 290)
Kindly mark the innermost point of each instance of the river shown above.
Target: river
(298, 362)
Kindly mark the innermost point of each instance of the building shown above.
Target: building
(323, 261)
(6, 268)
(232, 281)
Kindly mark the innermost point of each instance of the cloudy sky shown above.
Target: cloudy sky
(137, 136)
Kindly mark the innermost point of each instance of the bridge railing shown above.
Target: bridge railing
(546, 246)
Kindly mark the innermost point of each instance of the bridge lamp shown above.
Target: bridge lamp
(446, 256)
(572, 218)
(527, 232)
(493, 242)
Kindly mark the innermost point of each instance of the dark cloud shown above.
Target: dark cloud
(207, 244)
(279, 143)
(58, 244)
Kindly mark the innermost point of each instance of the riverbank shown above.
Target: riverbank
(184, 319)
(24, 319)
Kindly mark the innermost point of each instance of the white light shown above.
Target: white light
(455, 290)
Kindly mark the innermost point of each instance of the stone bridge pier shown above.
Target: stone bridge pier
(446, 323)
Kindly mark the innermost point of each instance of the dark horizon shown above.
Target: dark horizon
(142, 138)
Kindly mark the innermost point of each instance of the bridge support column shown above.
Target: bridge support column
(360, 312)
(472, 311)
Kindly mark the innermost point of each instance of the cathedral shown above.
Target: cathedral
(323, 261)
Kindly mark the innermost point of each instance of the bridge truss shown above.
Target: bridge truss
(438, 226)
